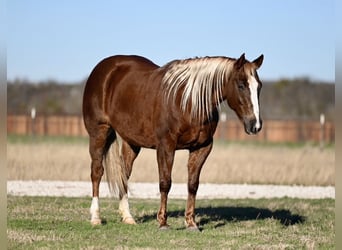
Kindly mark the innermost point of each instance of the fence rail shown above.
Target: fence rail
(273, 130)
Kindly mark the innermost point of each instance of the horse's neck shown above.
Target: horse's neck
(201, 82)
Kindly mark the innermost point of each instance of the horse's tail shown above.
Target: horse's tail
(115, 169)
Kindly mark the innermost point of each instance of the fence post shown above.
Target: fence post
(321, 133)
(33, 123)
(223, 128)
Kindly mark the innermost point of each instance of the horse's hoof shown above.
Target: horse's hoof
(164, 227)
(191, 226)
(95, 222)
(129, 220)
(193, 229)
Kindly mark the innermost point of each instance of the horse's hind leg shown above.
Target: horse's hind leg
(98, 143)
(129, 153)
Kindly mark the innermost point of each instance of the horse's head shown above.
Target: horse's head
(243, 92)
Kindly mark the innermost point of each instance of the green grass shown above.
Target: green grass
(63, 223)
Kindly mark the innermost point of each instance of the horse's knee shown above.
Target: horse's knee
(193, 187)
(165, 185)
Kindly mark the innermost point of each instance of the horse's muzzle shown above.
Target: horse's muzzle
(252, 126)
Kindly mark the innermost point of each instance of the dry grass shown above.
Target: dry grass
(227, 163)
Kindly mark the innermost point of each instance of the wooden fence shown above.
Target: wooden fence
(273, 130)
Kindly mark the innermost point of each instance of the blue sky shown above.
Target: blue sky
(64, 40)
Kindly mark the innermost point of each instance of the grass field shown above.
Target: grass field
(63, 223)
(68, 159)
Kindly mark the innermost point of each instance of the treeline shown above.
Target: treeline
(283, 99)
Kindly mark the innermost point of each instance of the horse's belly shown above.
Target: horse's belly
(138, 134)
(131, 115)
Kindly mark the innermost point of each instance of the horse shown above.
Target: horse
(129, 102)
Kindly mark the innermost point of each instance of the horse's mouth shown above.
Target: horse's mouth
(252, 127)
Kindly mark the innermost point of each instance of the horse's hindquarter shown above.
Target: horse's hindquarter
(133, 94)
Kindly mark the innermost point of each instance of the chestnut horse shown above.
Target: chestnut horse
(164, 108)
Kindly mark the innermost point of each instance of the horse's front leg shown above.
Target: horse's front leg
(165, 156)
(196, 160)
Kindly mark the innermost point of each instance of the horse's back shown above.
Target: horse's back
(123, 61)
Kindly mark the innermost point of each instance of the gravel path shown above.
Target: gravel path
(179, 191)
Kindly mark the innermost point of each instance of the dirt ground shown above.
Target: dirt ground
(227, 163)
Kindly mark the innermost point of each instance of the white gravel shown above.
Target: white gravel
(179, 191)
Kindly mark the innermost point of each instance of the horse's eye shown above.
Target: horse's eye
(241, 86)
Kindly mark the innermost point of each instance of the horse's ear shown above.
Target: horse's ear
(240, 62)
(257, 62)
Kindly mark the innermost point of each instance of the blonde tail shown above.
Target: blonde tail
(115, 171)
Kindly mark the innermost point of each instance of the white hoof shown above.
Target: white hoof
(95, 222)
(129, 220)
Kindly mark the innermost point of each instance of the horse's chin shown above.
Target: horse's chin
(249, 132)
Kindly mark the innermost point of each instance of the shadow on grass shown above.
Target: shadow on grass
(223, 215)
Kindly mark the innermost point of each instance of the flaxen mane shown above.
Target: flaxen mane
(200, 79)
